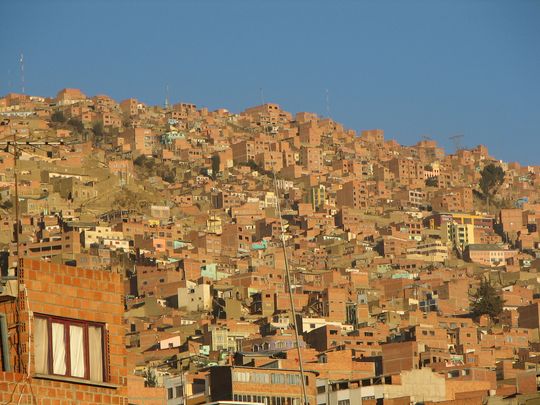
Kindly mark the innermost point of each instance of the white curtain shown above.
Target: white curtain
(76, 350)
(59, 349)
(95, 344)
(41, 346)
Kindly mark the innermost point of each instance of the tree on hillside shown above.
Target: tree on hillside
(432, 182)
(5, 204)
(58, 116)
(216, 162)
(486, 301)
(146, 165)
(492, 177)
(168, 175)
(76, 124)
(139, 160)
(99, 132)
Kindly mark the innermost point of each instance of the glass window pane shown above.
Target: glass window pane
(41, 346)
(95, 345)
(59, 349)
(76, 350)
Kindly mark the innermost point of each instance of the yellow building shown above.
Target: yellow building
(317, 196)
(460, 235)
(214, 225)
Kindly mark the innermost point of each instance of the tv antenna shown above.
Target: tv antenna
(457, 141)
(21, 63)
(167, 97)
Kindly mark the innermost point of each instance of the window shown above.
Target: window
(170, 393)
(69, 347)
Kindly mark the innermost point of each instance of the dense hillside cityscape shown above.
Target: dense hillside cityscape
(176, 255)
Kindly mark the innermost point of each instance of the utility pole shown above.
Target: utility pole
(290, 291)
(17, 213)
(16, 145)
(20, 296)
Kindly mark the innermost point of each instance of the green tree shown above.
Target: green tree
(150, 378)
(169, 176)
(486, 301)
(216, 162)
(432, 182)
(99, 132)
(146, 167)
(7, 204)
(58, 116)
(76, 124)
(492, 177)
(140, 160)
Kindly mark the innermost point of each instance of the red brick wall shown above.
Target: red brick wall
(47, 392)
(140, 395)
(89, 295)
(529, 316)
(398, 357)
(526, 382)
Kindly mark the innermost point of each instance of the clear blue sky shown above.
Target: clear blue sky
(413, 68)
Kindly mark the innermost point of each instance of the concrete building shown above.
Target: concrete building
(489, 255)
(195, 297)
(261, 385)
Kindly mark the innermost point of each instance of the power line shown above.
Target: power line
(289, 286)
(456, 139)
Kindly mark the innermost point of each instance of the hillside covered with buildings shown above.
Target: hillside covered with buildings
(166, 254)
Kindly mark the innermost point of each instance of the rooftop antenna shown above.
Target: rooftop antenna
(167, 97)
(21, 62)
(457, 141)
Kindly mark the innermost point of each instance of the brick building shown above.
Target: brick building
(69, 346)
